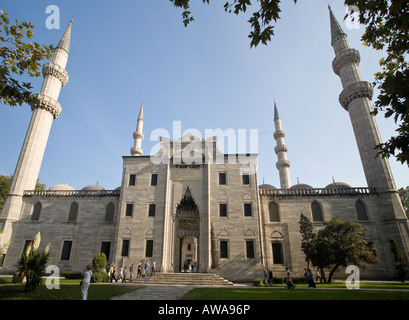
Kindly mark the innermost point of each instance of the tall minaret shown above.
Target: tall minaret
(136, 150)
(45, 111)
(283, 165)
(355, 98)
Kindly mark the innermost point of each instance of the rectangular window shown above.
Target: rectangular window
(248, 210)
(224, 250)
(149, 248)
(250, 249)
(66, 250)
(129, 210)
(132, 179)
(246, 178)
(152, 209)
(106, 248)
(154, 179)
(278, 253)
(125, 248)
(222, 178)
(223, 209)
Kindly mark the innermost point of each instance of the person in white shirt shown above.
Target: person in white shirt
(87, 273)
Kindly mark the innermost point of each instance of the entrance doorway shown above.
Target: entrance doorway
(187, 234)
(188, 254)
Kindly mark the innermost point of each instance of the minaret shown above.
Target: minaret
(283, 165)
(136, 150)
(45, 110)
(355, 98)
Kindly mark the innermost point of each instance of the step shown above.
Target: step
(205, 279)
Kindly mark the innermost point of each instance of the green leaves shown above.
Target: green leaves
(18, 57)
(261, 21)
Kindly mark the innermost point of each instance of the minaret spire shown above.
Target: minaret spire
(138, 136)
(45, 109)
(356, 99)
(283, 165)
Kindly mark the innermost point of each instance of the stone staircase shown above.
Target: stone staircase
(199, 279)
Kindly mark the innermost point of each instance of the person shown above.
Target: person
(121, 274)
(311, 283)
(318, 275)
(290, 284)
(113, 274)
(265, 276)
(146, 268)
(153, 268)
(139, 274)
(86, 280)
(270, 278)
(192, 266)
(130, 272)
(185, 265)
(125, 274)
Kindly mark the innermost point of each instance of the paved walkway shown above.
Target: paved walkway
(157, 292)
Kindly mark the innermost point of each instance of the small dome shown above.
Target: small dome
(266, 186)
(301, 186)
(118, 189)
(338, 185)
(93, 187)
(61, 187)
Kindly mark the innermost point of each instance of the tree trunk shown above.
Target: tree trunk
(332, 272)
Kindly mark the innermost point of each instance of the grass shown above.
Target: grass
(69, 290)
(333, 291)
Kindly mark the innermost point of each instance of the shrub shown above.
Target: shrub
(258, 282)
(99, 262)
(100, 276)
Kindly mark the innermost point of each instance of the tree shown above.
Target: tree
(341, 243)
(32, 264)
(99, 263)
(387, 29)
(5, 182)
(19, 57)
(400, 264)
(404, 196)
(308, 235)
(261, 20)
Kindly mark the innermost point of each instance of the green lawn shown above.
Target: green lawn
(69, 290)
(296, 294)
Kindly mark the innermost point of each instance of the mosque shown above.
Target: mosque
(192, 202)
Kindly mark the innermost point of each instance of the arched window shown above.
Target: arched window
(109, 213)
(36, 212)
(273, 210)
(72, 216)
(316, 211)
(361, 210)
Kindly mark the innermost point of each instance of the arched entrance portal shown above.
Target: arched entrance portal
(187, 231)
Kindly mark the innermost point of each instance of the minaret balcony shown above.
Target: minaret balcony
(54, 70)
(279, 134)
(47, 103)
(362, 89)
(281, 148)
(283, 164)
(345, 57)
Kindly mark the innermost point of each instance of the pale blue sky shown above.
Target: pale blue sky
(205, 76)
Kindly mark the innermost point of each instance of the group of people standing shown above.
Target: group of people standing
(123, 272)
(309, 277)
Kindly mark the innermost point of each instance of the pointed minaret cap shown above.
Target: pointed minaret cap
(66, 39)
(336, 29)
(141, 113)
(276, 115)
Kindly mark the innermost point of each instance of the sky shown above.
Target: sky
(205, 77)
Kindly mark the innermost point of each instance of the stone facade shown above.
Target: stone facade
(190, 202)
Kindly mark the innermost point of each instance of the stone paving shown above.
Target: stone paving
(157, 292)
